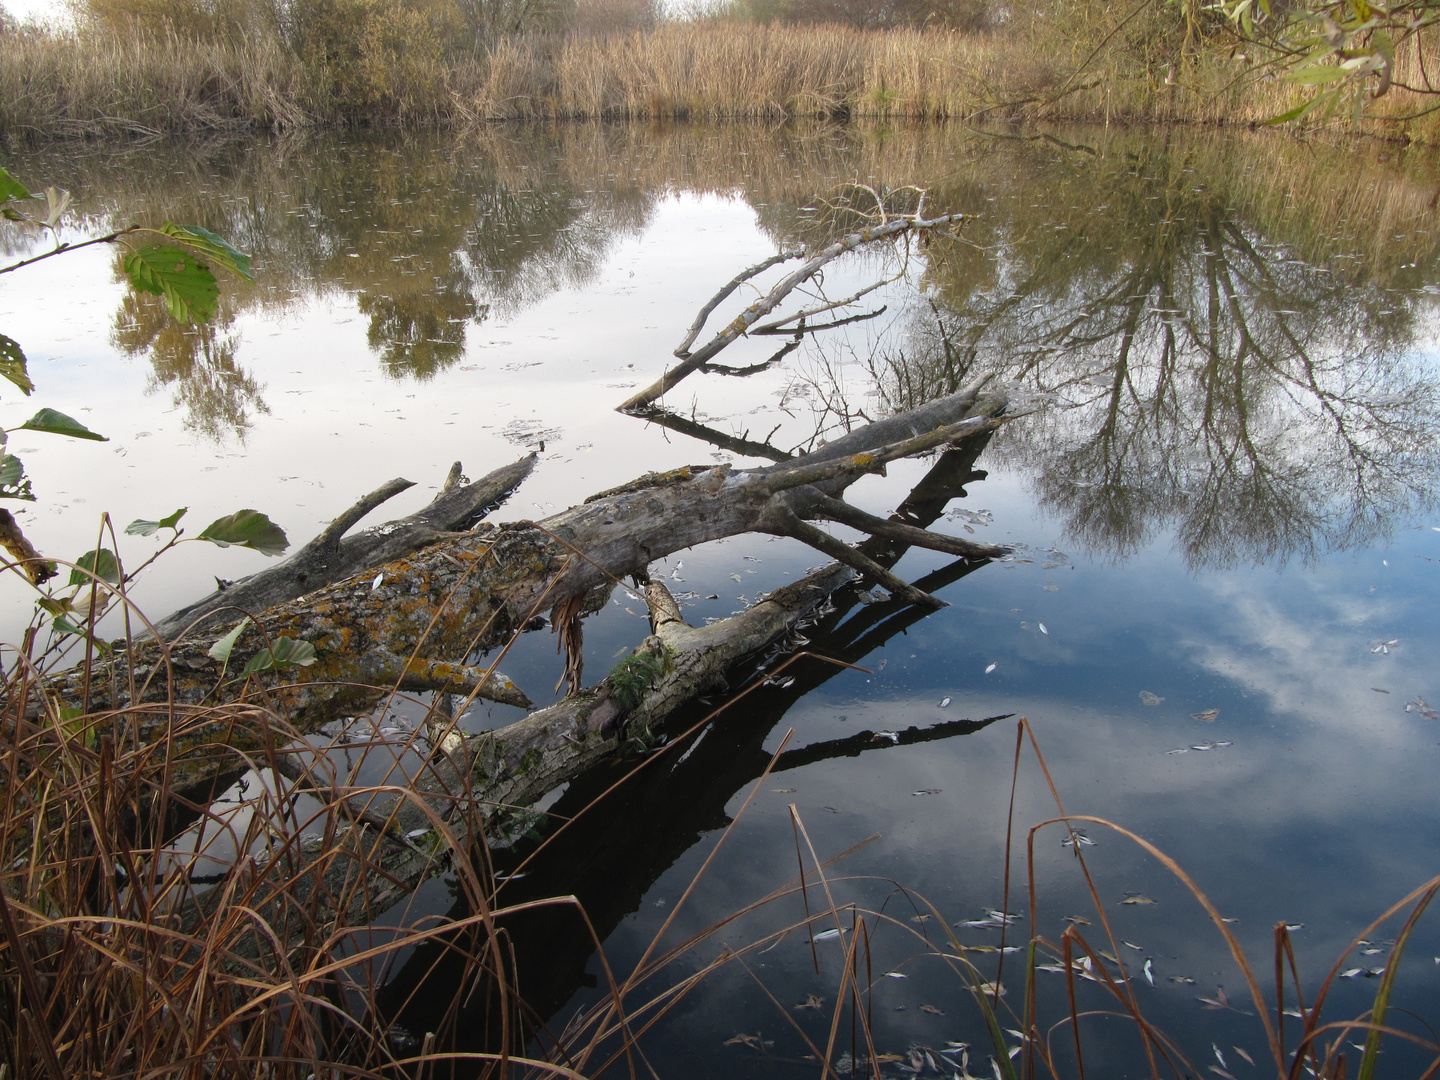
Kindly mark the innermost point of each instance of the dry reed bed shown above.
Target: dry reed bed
(97, 85)
(142, 85)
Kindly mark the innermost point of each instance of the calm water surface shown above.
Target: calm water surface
(1221, 499)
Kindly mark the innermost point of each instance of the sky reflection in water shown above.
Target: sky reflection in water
(1228, 348)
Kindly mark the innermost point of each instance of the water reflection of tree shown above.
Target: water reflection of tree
(1198, 374)
(196, 363)
(427, 237)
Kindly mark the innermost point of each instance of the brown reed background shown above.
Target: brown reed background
(361, 62)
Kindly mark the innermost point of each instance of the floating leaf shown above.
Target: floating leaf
(753, 1041)
(1041, 625)
(811, 1002)
(933, 1011)
(247, 528)
(208, 243)
(141, 527)
(222, 648)
(57, 423)
(991, 668)
(1146, 697)
(944, 703)
(1150, 971)
(1137, 899)
(183, 281)
(1206, 716)
(12, 364)
(827, 935)
(101, 564)
(285, 652)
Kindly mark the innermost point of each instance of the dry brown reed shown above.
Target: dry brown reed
(60, 85)
(150, 932)
(140, 82)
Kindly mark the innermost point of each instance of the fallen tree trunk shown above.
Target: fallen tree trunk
(332, 556)
(400, 833)
(413, 623)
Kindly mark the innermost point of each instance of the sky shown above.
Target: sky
(24, 8)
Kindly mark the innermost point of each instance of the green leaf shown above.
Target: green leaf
(12, 363)
(1297, 112)
(13, 482)
(212, 245)
(247, 528)
(186, 284)
(141, 527)
(286, 652)
(61, 625)
(1316, 74)
(10, 188)
(221, 649)
(57, 423)
(101, 564)
(73, 721)
(1384, 45)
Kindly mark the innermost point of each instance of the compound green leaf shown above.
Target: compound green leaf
(207, 243)
(57, 423)
(12, 364)
(247, 528)
(141, 527)
(183, 281)
(286, 652)
(101, 563)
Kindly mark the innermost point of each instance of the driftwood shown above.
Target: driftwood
(332, 556)
(374, 858)
(413, 622)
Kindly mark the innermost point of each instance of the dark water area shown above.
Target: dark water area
(1218, 619)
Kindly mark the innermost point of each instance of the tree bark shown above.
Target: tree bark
(414, 621)
(329, 558)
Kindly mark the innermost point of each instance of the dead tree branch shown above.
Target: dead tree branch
(772, 299)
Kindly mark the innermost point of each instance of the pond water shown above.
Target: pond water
(1219, 617)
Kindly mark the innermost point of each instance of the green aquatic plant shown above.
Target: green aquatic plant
(632, 678)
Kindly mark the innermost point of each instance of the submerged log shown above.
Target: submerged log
(412, 623)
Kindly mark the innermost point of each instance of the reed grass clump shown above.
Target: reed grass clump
(362, 63)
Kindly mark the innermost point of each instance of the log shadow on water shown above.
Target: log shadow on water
(648, 820)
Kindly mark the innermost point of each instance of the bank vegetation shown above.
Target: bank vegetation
(141, 67)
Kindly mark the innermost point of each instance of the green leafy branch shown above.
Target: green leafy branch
(1341, 50)
(244, 528)
(177, 268)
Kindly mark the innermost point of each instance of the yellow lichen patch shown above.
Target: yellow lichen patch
(863, 461)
